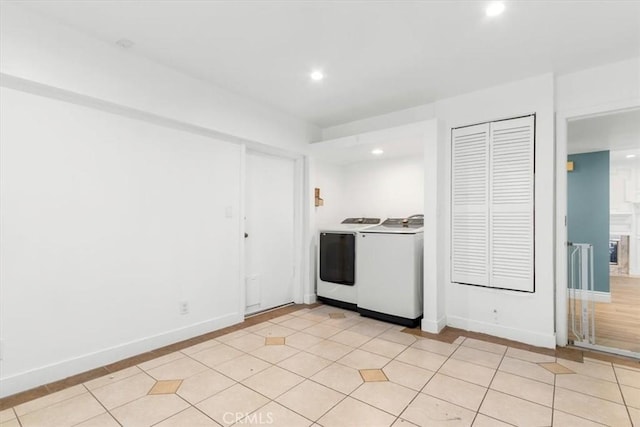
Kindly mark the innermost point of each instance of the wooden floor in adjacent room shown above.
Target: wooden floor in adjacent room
(618, 322)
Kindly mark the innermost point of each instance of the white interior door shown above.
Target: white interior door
(470, 205)
(492, 204)
(269, 227)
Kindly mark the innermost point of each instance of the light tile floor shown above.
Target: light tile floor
(330, 367)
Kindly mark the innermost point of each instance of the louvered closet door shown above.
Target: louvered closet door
(511, 204)
(470, 202)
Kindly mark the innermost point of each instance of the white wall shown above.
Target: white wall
(385, 188)
(384, 121)
(107, 224)
(42, 51)
(380, 188)
(599, 86)
(329, 178)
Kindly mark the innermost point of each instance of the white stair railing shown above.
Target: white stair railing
(581, 285)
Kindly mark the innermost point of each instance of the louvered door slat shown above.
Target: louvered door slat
(511, 204)
(470, 202)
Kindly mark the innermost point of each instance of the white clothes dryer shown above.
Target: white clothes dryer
(337, 281)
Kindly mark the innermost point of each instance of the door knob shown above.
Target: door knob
(246, 235)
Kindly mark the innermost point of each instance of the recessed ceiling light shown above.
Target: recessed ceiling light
(317, 76)
(630, 156)
(377, 151)
(494, 8)
(125, 43)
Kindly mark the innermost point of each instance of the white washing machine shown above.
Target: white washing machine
(337, 275)
(389, 265)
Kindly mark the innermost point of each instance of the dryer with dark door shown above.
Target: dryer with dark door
(337, 275)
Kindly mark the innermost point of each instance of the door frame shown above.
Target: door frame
(300, 218)
(562, 119)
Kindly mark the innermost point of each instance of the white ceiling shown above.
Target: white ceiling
(615, 132)
(378, 56)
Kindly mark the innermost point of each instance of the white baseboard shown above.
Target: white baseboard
(310, 299)
(521, 335)
(434, 326)
(66, 368)
(595, 296)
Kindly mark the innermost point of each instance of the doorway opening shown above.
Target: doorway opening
(603, 231)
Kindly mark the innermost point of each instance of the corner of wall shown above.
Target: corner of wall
(310, 298)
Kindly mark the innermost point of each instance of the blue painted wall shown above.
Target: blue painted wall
(588, 209)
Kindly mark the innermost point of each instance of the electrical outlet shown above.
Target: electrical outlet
(184, 307)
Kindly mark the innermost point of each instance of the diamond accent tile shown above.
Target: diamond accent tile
(337, 315)
(556, 368)
(371, 375)
(274, 341)
(165, 387)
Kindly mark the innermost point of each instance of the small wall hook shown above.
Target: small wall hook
(318, 201)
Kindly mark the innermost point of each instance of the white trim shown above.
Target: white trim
(243, 229)
(59, 370)
(434, 300)
(595, 296)
(600, 110)
(605, 349)
(308, 236)
(299, 219)
(562, 117)
(562, 327)
(310, 298)
(432, 326)
(520, 335)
